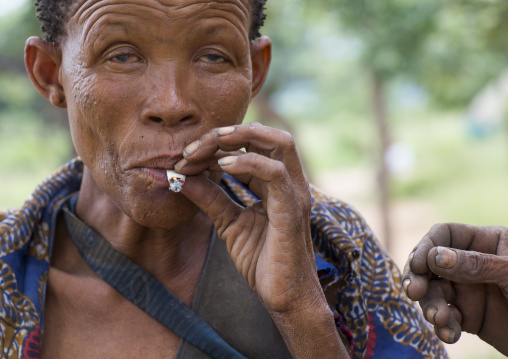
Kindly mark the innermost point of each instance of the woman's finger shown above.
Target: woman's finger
(234, 224)
(208, 164)
(269, 142)
(213, 201)
(269, 179)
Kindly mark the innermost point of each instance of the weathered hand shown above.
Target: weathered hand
(459, 275)
(269, 241)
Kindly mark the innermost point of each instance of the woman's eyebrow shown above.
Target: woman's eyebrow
(125, 20)
(113, 27)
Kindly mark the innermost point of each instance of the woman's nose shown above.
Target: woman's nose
(170, 101)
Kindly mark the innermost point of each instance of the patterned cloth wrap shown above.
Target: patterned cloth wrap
(372, 311)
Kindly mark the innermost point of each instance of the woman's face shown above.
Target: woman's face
(143, 79)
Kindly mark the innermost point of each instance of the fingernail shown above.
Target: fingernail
(446, 258)
(411, 256)
(223, 131)
(226, 161)
(406, 284)
(448, 334)
(430, 314)
(181, 164)
(191, 148)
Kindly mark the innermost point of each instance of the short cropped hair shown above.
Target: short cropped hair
(52, 15)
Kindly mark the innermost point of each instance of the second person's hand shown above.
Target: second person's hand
(459, 275)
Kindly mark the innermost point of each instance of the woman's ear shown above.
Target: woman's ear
(261, 55)
(42, 62)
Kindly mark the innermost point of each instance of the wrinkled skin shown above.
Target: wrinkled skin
(151, 85)
(459, 275)
(269, 231)
(126, 120)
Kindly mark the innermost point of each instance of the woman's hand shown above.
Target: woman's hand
(459, 275)
(269, 241)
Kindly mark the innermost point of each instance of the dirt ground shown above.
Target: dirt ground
(410, 221)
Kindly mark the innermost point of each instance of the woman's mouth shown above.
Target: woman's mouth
(157, 176)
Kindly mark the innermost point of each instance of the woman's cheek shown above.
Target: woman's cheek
(234, 92)
(91, 118)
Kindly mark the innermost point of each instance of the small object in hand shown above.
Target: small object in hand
(176, 180)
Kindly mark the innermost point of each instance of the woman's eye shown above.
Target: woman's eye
(213, 59)
(125, 58)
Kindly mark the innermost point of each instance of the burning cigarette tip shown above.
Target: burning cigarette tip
(176, 180)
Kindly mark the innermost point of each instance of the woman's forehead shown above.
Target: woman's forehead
(83, 7)
(86, 14)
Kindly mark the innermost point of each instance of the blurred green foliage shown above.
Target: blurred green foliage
(435, 57)
(34, 140)
(31, 149)
(462, 176)
(16, 27)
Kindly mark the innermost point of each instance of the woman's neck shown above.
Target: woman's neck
(166, 254)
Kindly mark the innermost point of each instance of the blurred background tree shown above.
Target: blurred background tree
(397, 104)
(443, 51)
(393, 34)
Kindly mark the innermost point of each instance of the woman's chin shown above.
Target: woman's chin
(160, 211)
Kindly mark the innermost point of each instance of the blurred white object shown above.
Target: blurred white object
(176, 180)
(400, 160)
(489, 106)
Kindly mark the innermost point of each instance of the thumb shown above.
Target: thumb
(212, 200)
(462, 266)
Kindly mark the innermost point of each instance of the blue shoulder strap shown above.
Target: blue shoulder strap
(145, 291)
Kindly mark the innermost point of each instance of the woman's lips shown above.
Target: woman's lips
(156, 175)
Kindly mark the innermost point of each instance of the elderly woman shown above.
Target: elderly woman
(103, 261)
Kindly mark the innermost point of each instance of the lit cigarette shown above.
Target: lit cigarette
(176, 180)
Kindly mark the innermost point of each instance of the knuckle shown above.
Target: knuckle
(254, 126)
(503, 285)
(439, 227)
(288, 139)
(439, 233)
(249, 157)
(479, 264)
(406, 271)
(305, 200)
(279, 171)
(214, 197)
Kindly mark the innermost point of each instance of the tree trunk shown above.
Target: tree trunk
(380, 116)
